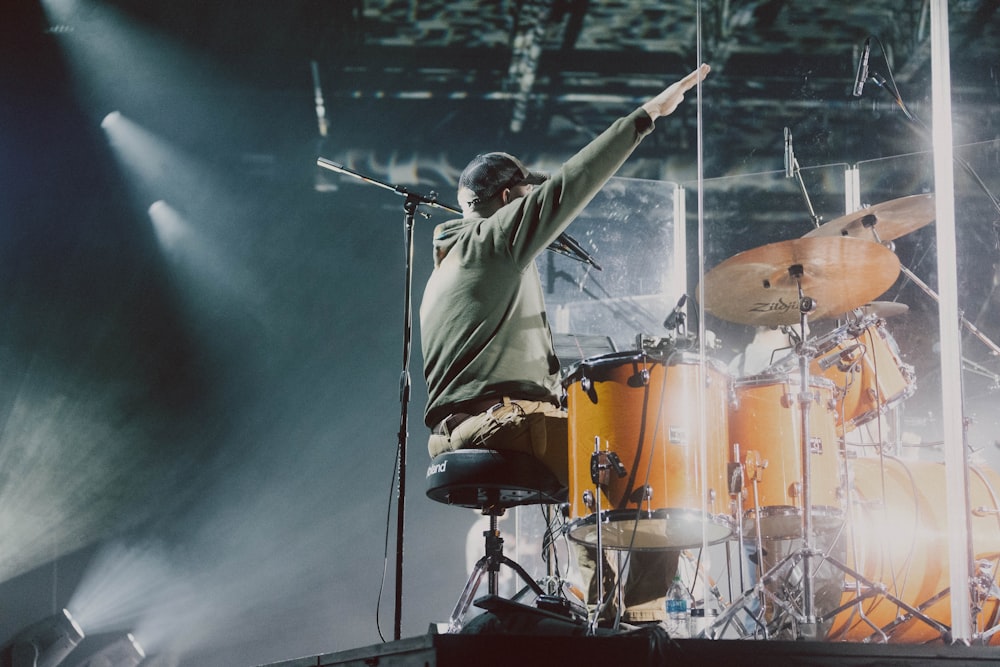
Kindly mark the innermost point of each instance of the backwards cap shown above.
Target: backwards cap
(488, 174)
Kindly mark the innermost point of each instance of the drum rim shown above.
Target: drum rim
(764, 379)
(831, 339)
(675, 358)
(687, 515)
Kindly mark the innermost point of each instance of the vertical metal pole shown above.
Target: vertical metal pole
(956, 472)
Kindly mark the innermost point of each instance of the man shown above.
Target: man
(491, 370)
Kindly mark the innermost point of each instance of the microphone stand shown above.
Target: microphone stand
(564, 244)
(413, 200)
(792, 170)
(968, 168)
(880, 81)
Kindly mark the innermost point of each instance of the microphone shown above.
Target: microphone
(839, 358)
(789, 155)
(862, 75)
(676, 315)
(567, 245)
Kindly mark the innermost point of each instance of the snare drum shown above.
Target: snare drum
(862, 360)
(658, 419)
(765, 423)
(899, 539)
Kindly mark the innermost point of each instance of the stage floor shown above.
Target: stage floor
(514, 634)
(636, 650)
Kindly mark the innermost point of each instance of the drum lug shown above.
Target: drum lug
(589, 501)
(815, 445)
(643, 493)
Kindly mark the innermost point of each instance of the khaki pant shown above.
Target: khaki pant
(533, 427)
(644, 591)
(541, 429)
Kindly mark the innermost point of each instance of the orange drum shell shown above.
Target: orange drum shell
(653, 426)
(765, 425)
(906, 547)
(878, 379)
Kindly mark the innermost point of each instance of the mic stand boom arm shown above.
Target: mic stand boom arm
(792, 170)
(563, 245)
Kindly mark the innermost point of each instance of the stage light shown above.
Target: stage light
(170, 226)
(43, 644)
(122, 651)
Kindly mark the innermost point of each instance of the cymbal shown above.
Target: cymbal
(893, 218)
(838, 273)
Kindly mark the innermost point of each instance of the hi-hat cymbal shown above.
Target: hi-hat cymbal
(839, 273)
(893, 218)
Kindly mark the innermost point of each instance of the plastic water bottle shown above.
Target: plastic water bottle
(679, 603)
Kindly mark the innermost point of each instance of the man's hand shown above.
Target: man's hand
(665, 103)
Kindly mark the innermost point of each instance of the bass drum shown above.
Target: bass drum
(646, 415)
(900, 540)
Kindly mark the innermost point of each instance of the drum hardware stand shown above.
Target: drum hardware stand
(601, 465)
(984, 586)
(736, 474)
(806, 305)
(806, 621)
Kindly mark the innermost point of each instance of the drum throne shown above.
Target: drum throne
(491, 481)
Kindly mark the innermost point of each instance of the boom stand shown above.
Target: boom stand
(413, 200)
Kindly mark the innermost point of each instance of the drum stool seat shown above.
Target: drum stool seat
(491, 481)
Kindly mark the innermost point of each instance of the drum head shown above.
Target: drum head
(651, 531)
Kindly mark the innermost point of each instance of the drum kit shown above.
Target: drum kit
(842, 546)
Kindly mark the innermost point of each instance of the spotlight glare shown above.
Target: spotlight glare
(170, 226)
(111, 119)
(123, 651)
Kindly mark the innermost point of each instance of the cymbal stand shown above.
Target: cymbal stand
(806, 305)
(869, 222)
(806, 620)
(919, 126)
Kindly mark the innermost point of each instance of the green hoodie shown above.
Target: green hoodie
(484, 331)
